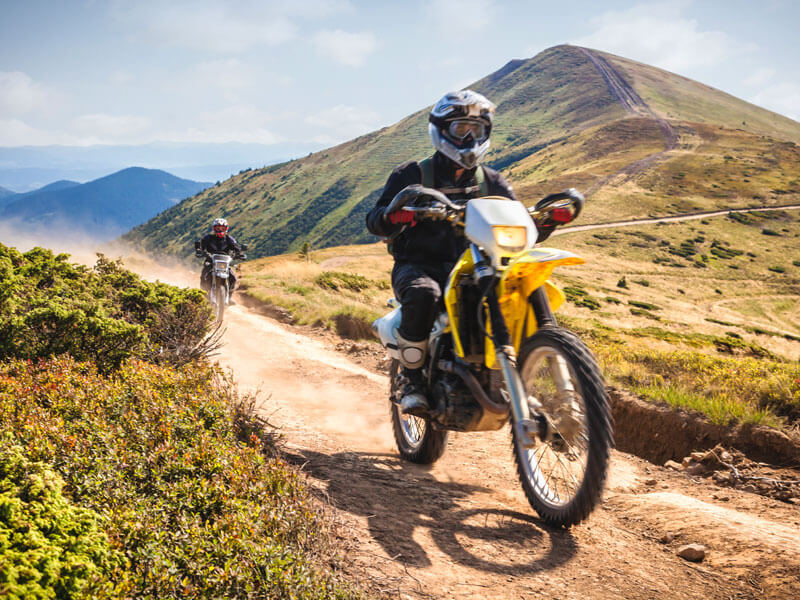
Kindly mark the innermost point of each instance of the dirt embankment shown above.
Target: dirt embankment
(659, 433)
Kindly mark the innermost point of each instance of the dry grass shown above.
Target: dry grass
(349, 280)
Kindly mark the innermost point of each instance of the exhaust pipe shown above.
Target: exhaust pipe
(475, 388)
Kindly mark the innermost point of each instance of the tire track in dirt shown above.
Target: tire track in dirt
(462, 527)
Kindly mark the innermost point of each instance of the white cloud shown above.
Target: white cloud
(349, 49)
(14, 132)
(105, 128)
(457, 17)
(761, 76)
(226, 74)
(234, 123)
(783, 98)
(120, 77)
(340, 123)
(659, 35)
(218, 26)
(21, 95)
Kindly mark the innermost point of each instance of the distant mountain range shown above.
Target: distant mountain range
(98, 210)
(637, 140)
(26, 168)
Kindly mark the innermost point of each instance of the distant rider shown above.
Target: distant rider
(425, 252)
(216, 242)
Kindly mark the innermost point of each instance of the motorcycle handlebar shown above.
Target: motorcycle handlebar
(411, 193)
(552, 210)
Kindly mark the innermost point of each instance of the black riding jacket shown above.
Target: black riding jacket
(430, 242)
(213, 244)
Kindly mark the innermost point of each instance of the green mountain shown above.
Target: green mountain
(637, 140)
(103, 208)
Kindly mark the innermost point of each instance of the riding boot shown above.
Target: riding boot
(412, 357)
(413, 401)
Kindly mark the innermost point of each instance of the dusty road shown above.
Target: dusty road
(463, 529)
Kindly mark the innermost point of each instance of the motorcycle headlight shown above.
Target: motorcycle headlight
(510, 238)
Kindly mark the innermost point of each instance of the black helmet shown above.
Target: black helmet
(459, 126)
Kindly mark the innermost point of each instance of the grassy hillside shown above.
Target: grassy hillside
(558, 125)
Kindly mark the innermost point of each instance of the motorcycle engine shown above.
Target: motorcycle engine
(457, 409)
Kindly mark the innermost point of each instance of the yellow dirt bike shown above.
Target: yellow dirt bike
(496, 354)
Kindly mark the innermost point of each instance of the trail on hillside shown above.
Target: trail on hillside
(670, 219)
(635, 105)
(463, 529)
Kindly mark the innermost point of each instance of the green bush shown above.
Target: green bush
(580, 297)
(48, 546)
(194, 502)
(336, 280)
(104, 314)
(644, 305)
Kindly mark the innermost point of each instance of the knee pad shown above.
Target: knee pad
(412, 354)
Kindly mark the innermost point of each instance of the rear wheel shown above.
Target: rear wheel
(417, 441)
(220, 299)
(564, 474)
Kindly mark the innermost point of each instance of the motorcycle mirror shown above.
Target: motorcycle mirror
(562, 207)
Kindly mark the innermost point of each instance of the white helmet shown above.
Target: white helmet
(459, 126)
(220, 227)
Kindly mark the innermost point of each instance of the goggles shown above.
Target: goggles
(220, 228)
(459, 129)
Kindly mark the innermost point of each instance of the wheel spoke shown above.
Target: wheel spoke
(549, 469)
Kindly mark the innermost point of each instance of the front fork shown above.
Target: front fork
(526, 425)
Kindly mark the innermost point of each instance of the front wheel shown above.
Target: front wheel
(417, 441)
(563, 474)
(220, 300)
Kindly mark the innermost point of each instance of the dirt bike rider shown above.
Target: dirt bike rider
(216, 242)
(425, 252)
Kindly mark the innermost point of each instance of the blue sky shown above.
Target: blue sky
(324, 71)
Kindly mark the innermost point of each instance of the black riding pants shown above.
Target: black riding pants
(419, 289)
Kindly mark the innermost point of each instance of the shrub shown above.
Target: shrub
(777, 269)
(337, 280)
(766, 231)
(50, 547)
(155, 451)
(580, 297)
(640, 312)
(622, 283)
(105, 314)
(644, 305)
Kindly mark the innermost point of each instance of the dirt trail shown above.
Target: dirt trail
(462, 528)
(672, 219)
